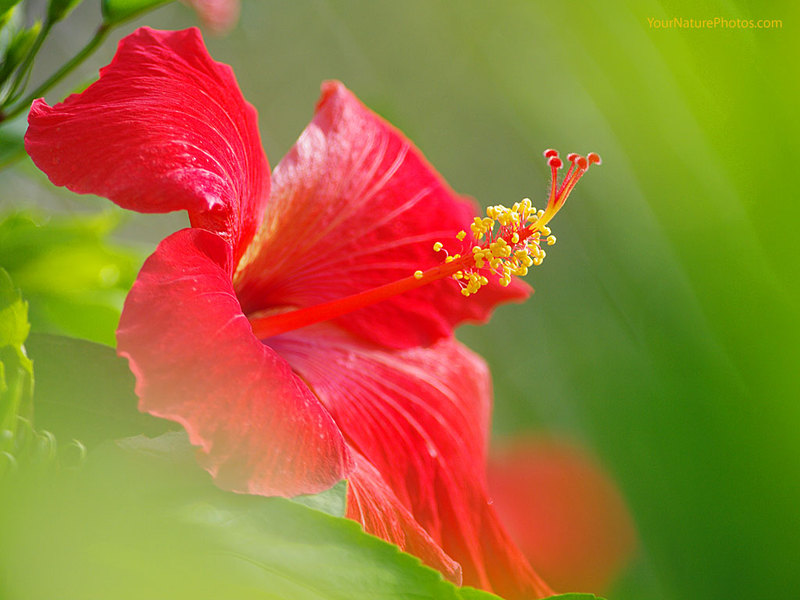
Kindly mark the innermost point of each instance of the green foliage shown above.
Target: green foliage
(84, 391)
(14, 326)
(74, 279)
(332, 501)
(16, 370)
(117, 11)
(6, 9)
(141, 516)
(575, 597)
(470, 593)
(12, 145)
(59, 9)
(20, 44)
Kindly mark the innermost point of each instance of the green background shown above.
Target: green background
(664, 332)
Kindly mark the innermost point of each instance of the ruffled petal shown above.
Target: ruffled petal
(354, 205)
(373, 504)
(164, 128)
(420, 417)
(565, 513)
(196, 361)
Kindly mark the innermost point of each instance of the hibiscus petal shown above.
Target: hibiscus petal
(197, 362)
(420, 417)
(164, 128)
(373, 504)
(354, 205)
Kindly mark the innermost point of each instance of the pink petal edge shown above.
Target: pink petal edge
(165, 128)
(197, 362)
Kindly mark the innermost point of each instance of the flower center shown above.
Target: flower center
(507, 242)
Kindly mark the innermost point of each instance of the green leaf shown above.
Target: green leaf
(6, 8)
(14, 326)
(6, 5)
(74, 279)
(12, 144)
(16, 370)
(141, 516)
(59, 9)
(117, 11)
(84, 391)
(470, 593)
(17, 49)
(332, 501)
(575, 596)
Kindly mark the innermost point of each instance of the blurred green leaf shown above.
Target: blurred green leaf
(6, 5)
(14, 326)
(6, 10)
(117, 11)
(84, 391)
(332, 501)
(16, 51)
(141, 520)
(16, 370)
(12, 145)
(59, 9)
(74, 279)
(575, 597)
(470, 593)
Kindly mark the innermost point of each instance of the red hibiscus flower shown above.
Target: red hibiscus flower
(565, 513)
(259, 328)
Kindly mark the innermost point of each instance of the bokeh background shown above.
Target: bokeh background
(664, 334)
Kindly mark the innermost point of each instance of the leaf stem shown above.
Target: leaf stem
(24, 68)
(91, 46)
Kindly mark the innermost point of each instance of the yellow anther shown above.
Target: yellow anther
(509, 241)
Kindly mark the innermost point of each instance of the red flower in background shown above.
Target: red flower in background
(218, 16)
(563, 511)
(219, 326)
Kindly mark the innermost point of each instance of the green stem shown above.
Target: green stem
(22, 71)
(25, 103)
